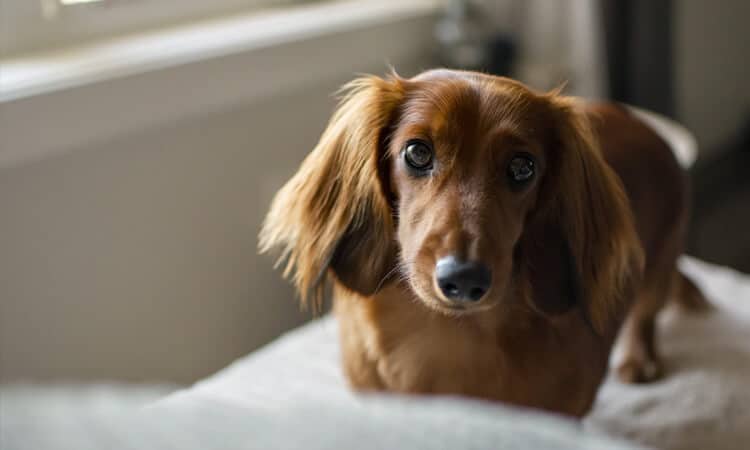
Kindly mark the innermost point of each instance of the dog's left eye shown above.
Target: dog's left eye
(521, 169)
(418, 155)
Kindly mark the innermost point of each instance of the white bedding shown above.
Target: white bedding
(702, 403)
(291, 394)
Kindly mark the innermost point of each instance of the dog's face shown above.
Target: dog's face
(467, 162)
(467, 189)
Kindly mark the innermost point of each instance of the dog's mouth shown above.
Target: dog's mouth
(459, 309)
(437, 302)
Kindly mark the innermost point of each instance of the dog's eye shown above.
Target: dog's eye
(521, 169)
(418, 155)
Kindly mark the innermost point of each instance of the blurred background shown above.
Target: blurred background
(142, 140)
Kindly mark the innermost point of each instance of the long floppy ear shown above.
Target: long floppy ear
(583, 246)
(334, 213)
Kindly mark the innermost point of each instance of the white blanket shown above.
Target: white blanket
(702, 403)
(704, 400)
(292, 395)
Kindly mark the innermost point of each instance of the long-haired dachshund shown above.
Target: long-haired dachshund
(486, 240)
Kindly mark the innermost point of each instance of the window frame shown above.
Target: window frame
(202, 68)
(39, 25)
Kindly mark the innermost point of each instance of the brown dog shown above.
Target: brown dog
(480, 242)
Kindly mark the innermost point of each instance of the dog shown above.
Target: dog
(486, 240)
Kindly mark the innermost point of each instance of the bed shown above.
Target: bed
(292, 394)
(296, 387)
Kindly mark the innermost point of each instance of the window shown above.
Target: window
(31, 25)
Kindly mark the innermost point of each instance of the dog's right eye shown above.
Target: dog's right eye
(521, 169)
(418, 155)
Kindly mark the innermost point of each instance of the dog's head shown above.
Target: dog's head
(470, 190)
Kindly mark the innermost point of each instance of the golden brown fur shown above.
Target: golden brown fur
(595, 234)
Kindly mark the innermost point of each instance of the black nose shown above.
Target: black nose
(462, 281)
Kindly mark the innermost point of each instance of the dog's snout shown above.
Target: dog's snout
(462, 281)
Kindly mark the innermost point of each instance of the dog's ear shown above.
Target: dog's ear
(582, 247)
(334, 214)
(547, 267)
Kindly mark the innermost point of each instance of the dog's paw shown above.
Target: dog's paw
(638, 371)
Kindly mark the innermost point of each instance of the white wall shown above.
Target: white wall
(132, 193)
(136, 258)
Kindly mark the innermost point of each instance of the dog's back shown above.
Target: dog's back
(645, 157)
(653, 179)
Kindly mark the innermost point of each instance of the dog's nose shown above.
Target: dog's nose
(462, 281)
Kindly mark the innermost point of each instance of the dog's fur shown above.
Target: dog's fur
(595, 234)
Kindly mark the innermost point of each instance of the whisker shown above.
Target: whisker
(390, 272)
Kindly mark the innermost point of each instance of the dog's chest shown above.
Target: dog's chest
(432, 357)
(414, 349)
(401, 346)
